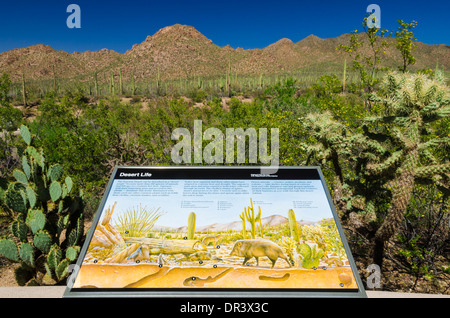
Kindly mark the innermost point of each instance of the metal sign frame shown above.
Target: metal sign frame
(213, 173)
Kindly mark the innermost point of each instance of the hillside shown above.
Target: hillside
(180, 51)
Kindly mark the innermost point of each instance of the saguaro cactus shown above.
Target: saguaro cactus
(250, 216)
(120, 82)
(293, 226)
(244, 230)
(24, 92)
(96, 84)
(344, 76)
(191, 226)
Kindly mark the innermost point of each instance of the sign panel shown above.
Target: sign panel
(215, 231)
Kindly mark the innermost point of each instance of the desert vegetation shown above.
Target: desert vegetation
(379, 130)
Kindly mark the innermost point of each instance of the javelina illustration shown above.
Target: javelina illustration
(258, 248)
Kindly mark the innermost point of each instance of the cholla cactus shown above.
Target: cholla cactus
(411, 102)
(391, 154)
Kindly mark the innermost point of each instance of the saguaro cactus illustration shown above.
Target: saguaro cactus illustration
(191, 226)
(293, 226)
(250, 216)
(244, 230)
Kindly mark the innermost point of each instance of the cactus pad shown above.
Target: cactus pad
(15, 200)
(26, 253)
(69, 184)
(31, 196)
(43, 241)
(26, 167)
(36, 220)
(54, 256)
(20, 176)
(55, 172)
(72, 253)
(55, 190)
(62, 269)
(9, 250)
(25, 133)
(19, 229)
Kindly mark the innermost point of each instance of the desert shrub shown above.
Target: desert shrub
(327, 85)
(424, 237)
(282, 95)
(198, 95)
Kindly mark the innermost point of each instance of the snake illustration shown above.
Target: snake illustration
(161, 272)
(271, 278)
(200, 282)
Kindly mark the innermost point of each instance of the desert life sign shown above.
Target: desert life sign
(217, 229)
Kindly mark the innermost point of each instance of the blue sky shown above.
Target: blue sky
(246, 23)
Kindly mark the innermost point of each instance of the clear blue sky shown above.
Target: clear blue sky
(117, 25)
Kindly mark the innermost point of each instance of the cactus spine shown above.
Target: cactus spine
(191, 226)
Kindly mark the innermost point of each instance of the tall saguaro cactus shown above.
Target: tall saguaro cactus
(244, 230)
(24, 92)
(293, 226)
(391, 154)
(252, 219)
(191, 226)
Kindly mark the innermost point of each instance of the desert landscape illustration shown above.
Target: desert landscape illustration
(255, 252)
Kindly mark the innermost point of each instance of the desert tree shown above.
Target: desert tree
(405, 43)
(366, 50)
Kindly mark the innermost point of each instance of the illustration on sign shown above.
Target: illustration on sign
(205, 233)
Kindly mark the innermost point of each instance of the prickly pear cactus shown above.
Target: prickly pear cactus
(311, 255)
(47, 230)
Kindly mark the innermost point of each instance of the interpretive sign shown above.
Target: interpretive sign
(216, 231)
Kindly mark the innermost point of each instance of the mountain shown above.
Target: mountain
(181, 51)
(270, 221)
(43, 62)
